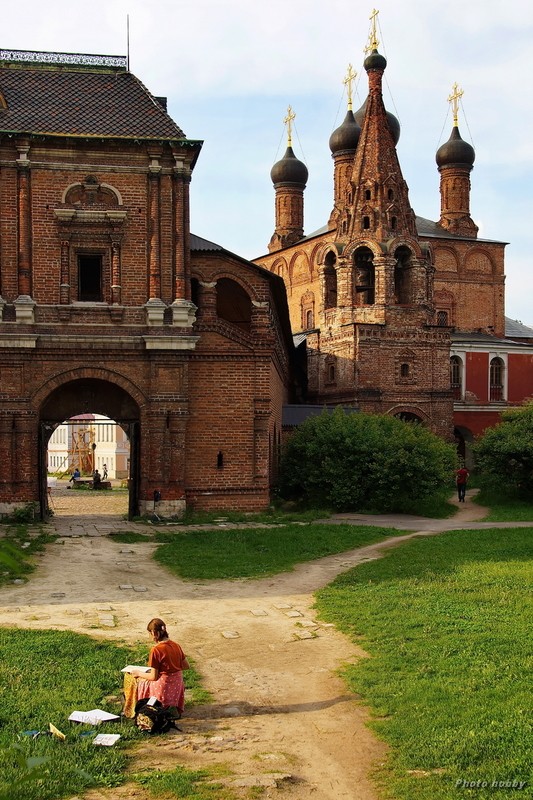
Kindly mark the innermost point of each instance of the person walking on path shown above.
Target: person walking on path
(461, 478)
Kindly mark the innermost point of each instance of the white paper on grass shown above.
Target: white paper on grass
(94, 717)
(131, 667)
(106, 739)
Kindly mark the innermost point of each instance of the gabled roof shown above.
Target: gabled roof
(516, 329)
(72, 99)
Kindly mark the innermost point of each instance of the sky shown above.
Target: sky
(231, 68)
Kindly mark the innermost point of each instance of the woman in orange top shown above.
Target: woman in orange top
(165, 677)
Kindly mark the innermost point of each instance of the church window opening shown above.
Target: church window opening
(195, 291)
(364, 276)
(366, 223)
(496, 380)
(402, 276)
(456, 377)
(233, 303)
(390, 194)
(404, 370)
(309, 322)
(393, 223)
(90, 277)
(442, 319)
(368, 194)
(330, 282)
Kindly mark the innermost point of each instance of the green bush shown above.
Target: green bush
(504, 455)
(363, 462)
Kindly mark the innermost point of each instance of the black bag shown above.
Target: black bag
(152, 717)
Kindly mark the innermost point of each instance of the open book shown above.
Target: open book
(131, 667)
(94, 717)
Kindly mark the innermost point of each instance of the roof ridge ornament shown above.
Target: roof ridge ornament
(453, 99)
(81, 59)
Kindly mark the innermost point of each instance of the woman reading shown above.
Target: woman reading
(163, 678)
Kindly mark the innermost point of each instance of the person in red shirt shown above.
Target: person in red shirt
(164, 680)
(461, 478)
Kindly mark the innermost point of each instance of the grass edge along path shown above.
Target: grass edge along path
(445, 621)
(234, 553)
(45, 676)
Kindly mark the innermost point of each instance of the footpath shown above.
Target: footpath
(281, 718)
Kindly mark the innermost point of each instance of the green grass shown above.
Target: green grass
(17, 549)
(45, 675)
(184, 783)
(130, 537)
(504, 507)
(447, 623)
(256, 552)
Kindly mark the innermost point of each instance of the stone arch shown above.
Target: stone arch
(299, 267)
(409, 413)
(234, 304)
(478, 260)
(104, 193)
(85, 374)
(446, 259)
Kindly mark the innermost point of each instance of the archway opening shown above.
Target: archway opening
(89, 426)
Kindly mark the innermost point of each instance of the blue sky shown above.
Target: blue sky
(230, 68)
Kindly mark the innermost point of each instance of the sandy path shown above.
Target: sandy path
(281, 718)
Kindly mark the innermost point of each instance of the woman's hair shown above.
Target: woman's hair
(158, 628)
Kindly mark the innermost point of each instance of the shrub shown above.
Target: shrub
(504, 455)
(363, 462)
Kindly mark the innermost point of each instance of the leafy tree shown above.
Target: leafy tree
(363, 462)
(504, 455)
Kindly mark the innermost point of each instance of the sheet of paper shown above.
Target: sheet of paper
(131, 667)
(57, 733)
(106, 739)
(94, 717)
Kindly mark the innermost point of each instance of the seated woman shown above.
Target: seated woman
(164, 680)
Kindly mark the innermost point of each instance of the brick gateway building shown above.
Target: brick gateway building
(109, 305)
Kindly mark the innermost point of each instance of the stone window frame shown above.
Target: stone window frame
(497, 378)
(405, 369)
(457, 376)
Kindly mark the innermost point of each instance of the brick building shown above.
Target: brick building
(110, 306)
(400, 315)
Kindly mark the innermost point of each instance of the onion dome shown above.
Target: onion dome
(375, 61)
(455, 151)
(289, 170)
(346, 136)
(394, 125)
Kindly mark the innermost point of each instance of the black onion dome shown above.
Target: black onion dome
(289, 170)
(455, 151)
(346, 136)
(394, 125)
(375, 61)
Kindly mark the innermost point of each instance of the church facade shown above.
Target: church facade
(110, 306)
(399, 314)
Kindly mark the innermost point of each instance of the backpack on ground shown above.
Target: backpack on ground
(151, 717)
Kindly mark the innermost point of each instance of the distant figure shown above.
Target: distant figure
(75, 475)
(461, 478)
(97, 479)
(104, 473)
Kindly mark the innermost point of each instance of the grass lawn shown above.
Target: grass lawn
(16, 551)
(256, 552)
(505, 508)
(447, 623)
(45, 675)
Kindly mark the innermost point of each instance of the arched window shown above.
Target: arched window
(390, 194)
(442, 319)
(364, 279)
(330, 282)
(309, 321)
(456, 377)
(404, 370)
(496, 380)
(402, 276)
(366, 223)
(233, 303)
(368, 194)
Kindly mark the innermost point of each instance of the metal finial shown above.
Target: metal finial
(373, 41)
(454, 100)
(288, 122)
(351, 75)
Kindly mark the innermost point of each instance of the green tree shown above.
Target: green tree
(504, 455)
(363, 462)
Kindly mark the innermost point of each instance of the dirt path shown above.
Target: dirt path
(281, 718)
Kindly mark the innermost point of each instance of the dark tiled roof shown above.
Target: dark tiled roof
(73, 101)
(197, 243)
(515, 328)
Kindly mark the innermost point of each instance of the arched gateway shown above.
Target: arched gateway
(82, 395)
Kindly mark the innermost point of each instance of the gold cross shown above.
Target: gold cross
(288, 122)
(351, 75)
(454, 100)
(373, 41)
